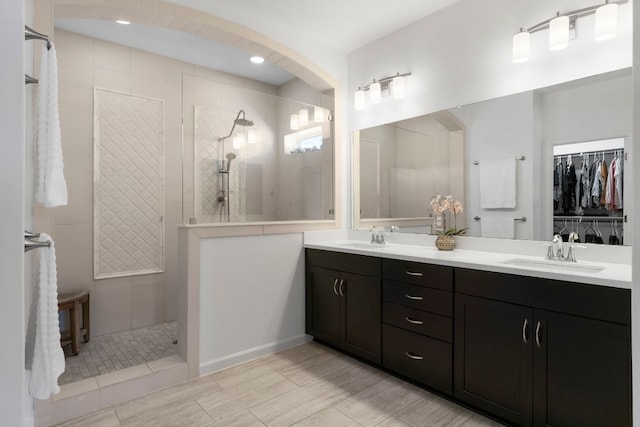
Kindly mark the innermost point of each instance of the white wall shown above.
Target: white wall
(462, 54)
(12, 170)
(496, 129)
(251, 297)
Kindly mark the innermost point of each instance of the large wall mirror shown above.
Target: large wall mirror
(524, 126)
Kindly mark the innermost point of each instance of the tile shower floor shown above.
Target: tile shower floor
(112, 352)
(309, 385)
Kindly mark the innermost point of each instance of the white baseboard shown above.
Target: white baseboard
(251, 354)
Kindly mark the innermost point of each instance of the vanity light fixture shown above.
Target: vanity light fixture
(257, 59)
(252, 136)
(318, 114)
(294, 122)
(559, 32)
(560, 26)
(358, 100)
(303, 117)
(375, 92)
(606, 25)
(394, 85)
(123, 22)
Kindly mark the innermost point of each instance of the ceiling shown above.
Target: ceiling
(339, 25)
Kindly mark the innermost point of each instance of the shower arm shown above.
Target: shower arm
(222, 138)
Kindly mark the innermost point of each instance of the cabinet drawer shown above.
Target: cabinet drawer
(358, 264)
(420, 358)
(421, 322)
(416, 273)
(419, 297)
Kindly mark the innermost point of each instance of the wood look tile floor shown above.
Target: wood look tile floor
(310, 385)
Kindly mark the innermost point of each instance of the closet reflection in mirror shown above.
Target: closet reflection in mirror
(403, 164)
(588, 183)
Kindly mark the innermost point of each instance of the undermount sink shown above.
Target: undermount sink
(559, 266)
(364, 245)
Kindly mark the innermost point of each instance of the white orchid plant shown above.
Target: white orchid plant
(443, 204)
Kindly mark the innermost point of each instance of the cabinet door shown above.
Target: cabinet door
(362, 298)
(492, 348)
(582, 371)
(323, 305)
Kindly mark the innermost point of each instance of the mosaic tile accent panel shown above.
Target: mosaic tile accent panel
(112, 352)
(210, 154)
(128, 185)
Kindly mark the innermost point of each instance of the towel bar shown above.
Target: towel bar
(29, 243)
(31, 34)
(523, 219)
(29, 80)
(475, 162)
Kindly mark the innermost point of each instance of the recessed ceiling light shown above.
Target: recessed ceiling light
(257, 59)
(123, 22)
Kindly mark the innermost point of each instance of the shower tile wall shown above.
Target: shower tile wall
(84, 63)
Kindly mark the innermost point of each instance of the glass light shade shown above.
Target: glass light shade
(294, 122)
(358, 100)
(375, 93)
(303, 117)
(398, 87)
(238, 141)
(318, 114)
(606, 25)
(559, 33)
(252, 136)
(521, 47)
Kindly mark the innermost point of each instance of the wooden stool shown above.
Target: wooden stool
(73, 303)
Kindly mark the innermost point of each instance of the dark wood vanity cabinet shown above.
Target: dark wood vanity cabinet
(542, 352)
(343, 301)
(417, 330)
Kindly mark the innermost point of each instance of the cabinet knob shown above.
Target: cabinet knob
(413, 356)
(415, 298)
(415, 322)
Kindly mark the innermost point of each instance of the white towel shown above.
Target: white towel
(48, 356)
(501, 228)
(51, 187)
(498, 183)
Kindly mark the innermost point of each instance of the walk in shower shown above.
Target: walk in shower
(254, 156)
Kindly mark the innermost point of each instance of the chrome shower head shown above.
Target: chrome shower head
(242, 121)
(238, 121)
(230, 156)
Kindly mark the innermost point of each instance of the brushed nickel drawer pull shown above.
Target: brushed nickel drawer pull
(415, 298)
(413, 356)
(415, 322)
(414, 273)
(538, 334)
(341, 287)
(524, 331)
(335, 283)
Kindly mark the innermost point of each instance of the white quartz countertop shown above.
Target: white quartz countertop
(521, 263)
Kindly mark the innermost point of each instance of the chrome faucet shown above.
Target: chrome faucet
(377, 236)
(557, 251)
